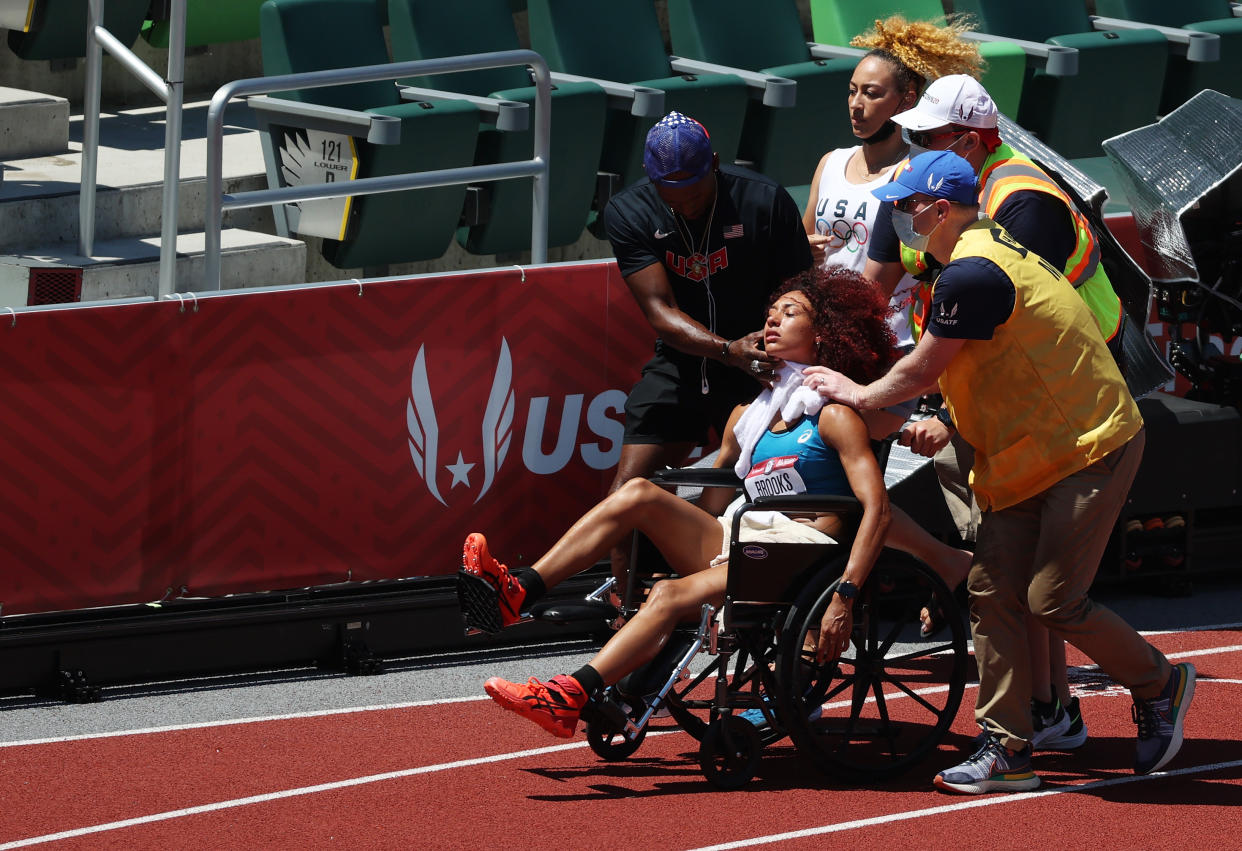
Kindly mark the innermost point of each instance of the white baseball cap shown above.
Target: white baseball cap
(955, 99)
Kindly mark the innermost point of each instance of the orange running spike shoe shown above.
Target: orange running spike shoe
(555, 705)
(489, 596)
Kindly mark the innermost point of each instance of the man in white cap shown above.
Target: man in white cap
(956, 114)
(1058, 439)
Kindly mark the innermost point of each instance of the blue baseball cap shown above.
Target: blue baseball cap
(677, 143)
(937, 174)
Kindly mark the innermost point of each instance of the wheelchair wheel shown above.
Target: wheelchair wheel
(609, 743)
(729, 752)
(893, 695)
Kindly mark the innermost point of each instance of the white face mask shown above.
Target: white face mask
(903, 224)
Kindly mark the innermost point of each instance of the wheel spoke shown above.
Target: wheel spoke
(913, 695)
(886, 723)
(918, 653)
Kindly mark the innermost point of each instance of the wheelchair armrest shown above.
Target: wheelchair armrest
(377, 129)
(774, 91)
(1195, 46)
(832, 51)
(507, 115)
(1056, 60)
(640, 101)
(698, 477)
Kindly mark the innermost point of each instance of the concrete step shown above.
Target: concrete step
(128, 267)
(32, 124)
(39, 197)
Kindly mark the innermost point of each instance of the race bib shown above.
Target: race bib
(774, 477)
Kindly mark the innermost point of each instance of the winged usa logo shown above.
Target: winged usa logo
(424, 432)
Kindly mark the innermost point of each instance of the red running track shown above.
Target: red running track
(469, 775)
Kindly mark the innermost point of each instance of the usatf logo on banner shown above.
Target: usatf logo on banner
(496, 431)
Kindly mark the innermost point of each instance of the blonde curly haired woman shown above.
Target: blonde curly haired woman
(840, 212)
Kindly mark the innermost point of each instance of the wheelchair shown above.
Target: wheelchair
(865, 717)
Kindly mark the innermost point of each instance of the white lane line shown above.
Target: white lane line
(1186, 654)
(294, 793)
(292, 716)
(173, 728)
(1216, 627)
(991, 801)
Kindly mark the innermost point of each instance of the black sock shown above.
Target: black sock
(1045, 710)
(590, 680)
(532, 582)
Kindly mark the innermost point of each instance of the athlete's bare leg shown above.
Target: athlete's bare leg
(640, 460)
(685, 534)
(671, 602)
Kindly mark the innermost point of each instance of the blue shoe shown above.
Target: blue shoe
(993, 768)
(1160, 719)
(754, 716)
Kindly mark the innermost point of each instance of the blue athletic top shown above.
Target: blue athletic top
(796, 461)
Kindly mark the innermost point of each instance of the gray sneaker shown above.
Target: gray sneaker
(993, 768)
(1160, 719)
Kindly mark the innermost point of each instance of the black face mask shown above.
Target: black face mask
(888, 128)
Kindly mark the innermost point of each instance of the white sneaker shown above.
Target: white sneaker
(1050, 726)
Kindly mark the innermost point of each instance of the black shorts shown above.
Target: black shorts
(668, 405)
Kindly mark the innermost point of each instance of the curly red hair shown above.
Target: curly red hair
(851, 321)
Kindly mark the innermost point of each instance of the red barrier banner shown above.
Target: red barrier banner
(268, 440)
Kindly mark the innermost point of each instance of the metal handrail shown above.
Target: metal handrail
(536, 167)
(171, 90)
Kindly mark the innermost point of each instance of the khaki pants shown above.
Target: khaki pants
(953, 464)
(1041, 555)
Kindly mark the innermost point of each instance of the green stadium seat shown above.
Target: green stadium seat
(1074, 114)
(392, 227)
(838, 21)
(58, 27)
(1184, 78)
(209, 22)
(427, 29)
(785, 143)
(620, 41)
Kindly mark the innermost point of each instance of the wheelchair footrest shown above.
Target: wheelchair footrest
(478, 601)
(607, 711)
(574, 611)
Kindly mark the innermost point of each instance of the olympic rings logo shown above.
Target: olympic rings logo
(842, 233)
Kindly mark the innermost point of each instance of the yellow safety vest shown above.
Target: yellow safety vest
(1043, 398)
(1004, 172)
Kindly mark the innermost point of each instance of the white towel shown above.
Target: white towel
(788, 396)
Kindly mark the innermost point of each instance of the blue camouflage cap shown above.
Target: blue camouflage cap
(677, 143)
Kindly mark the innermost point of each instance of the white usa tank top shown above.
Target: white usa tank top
(846, 212)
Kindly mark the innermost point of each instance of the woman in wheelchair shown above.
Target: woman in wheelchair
(783, 442)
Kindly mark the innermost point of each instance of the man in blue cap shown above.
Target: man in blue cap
(701, 246)
(1032, 387)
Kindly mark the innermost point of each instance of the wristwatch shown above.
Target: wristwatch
(942, 414)
(848, 590)
(724, 349)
